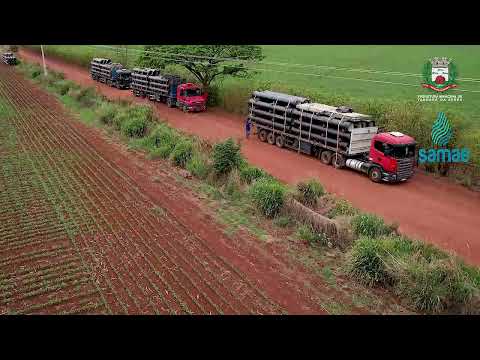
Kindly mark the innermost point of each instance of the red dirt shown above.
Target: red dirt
(426, 208)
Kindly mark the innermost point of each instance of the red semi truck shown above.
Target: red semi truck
(336, 135)
(169, 89)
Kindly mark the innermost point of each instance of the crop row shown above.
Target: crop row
(184, 274)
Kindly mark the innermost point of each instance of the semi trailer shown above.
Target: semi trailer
(9, 58)
(113, 74)
(335, 135)
(169, 89)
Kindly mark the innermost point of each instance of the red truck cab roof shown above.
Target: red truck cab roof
(394, 138)
(188, 86)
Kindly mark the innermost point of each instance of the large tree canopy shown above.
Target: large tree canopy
(205, 62)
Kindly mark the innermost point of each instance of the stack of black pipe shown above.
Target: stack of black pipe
(141, 79)
(291, 116)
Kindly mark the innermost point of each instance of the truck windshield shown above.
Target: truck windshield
(402, 151)
(193, 92)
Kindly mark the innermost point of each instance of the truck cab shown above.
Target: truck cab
(120, 77)
(191, 97)
(392, 157)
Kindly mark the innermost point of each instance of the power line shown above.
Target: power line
(316, 75)
(325, 67)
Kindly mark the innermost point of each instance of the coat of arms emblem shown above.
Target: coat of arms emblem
(439, 74)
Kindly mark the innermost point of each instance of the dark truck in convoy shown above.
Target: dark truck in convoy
(9, 59)
(335, 135)
(113, 74)
(169, 89)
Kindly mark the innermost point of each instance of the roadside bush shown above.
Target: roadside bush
(213, 95)
(342, 207)
(366, 263)
(268, 196)
(231, 188)
(308, 192)
(182, 152)
(369, 225)
(250, 173)
(143, 112)
(198, 165)
(282, 221)
(307, 232)
(226, 157)
(86, 97)
(62, 87)
(134, 127)
(434, 287)
(162, 136)
(107, 112)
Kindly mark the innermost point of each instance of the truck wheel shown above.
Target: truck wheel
(262, 135)
(339, 161)
(326, 157)
(271, 138)
(280, 141)
(169, 103)
(375, 174)
(185, 108)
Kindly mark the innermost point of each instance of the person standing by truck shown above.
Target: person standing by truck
(248, 127)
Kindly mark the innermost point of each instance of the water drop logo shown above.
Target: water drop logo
(441, 130)
(441, 134)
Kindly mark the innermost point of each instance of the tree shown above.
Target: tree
(205, 62)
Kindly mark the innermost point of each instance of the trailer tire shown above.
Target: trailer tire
(326, 157)
(339, 161)
(280, 141)
(375, 174)
(271, 138)
(262, 135)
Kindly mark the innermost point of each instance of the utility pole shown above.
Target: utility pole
(44, 65)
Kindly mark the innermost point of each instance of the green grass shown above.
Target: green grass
(336, 75)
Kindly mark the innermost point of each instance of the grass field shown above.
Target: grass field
(389, 61)
(382, 81)
(380, 72)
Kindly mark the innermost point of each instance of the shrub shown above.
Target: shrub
(134, 127)
(162, 136)
(226, 157)
(85, 96)
(308, 192)
(282, 221)
(268, 196)
(231, 188)
(182, 152)
(434, 286)
(62, 87)
(143, 112)
(369, 225)
(107, 112)
(35, 73)
(213, 95)
(198, 166)
(307, 232)
(162, 152)
(250, 173)
(366, 262)
(343, 207)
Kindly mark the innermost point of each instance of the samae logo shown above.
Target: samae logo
(442, 132)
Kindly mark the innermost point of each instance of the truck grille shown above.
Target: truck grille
(405, 168)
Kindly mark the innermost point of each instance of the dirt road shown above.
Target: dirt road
(426, 208)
